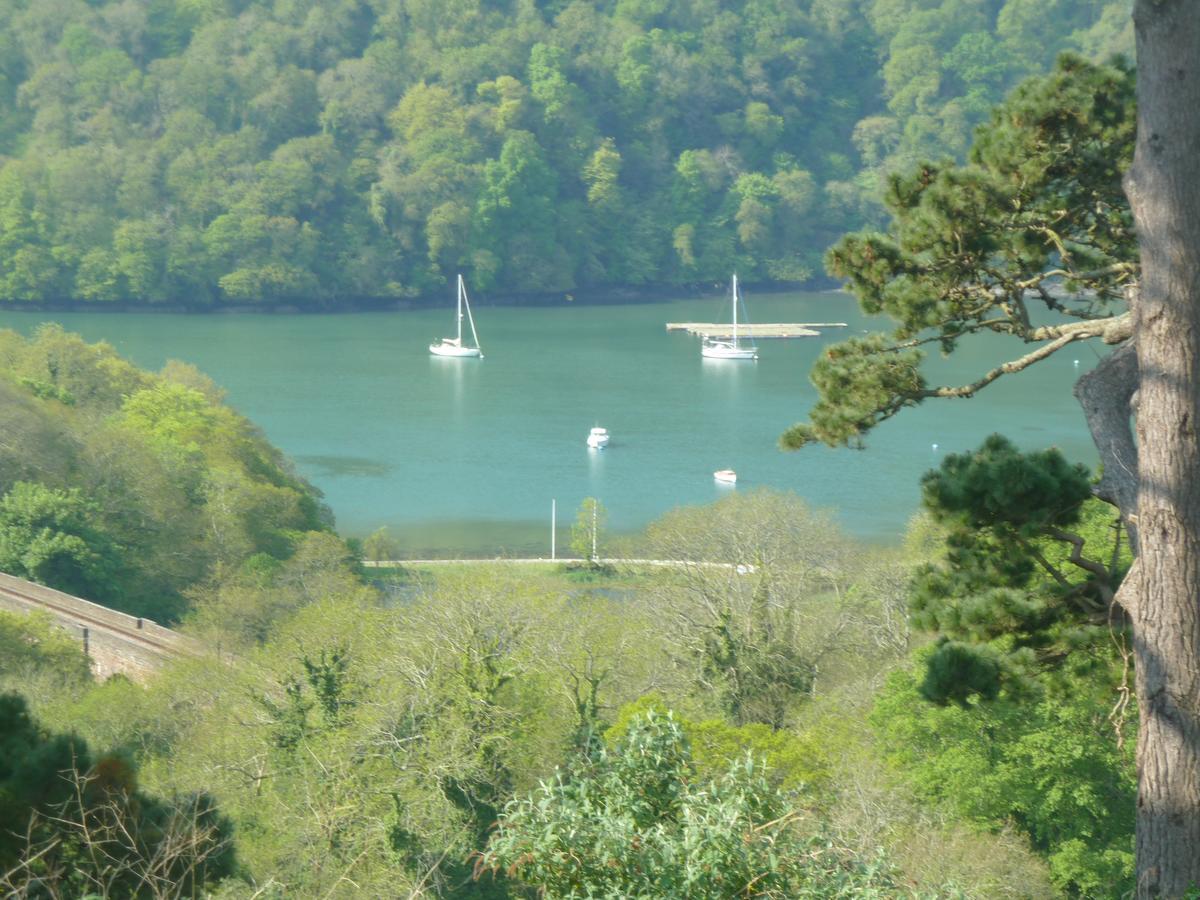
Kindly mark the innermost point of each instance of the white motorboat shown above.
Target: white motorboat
(597, 438)
(725, 476)
(454, 346)
(731, 349)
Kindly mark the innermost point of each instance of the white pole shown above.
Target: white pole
(460, 295)
(553, 525)
(594, 504)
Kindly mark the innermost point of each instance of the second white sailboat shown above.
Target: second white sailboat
(731, 349)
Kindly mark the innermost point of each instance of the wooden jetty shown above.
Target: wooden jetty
(766, 330)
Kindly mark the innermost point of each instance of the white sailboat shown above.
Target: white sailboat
(454, 346)
(731, 349)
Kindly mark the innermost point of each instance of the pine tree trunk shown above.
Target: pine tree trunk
(1164, 191)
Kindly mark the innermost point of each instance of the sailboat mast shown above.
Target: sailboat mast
(470, 318)
(735, 340)
(460, 296)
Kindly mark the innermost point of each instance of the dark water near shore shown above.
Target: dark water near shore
(462, 456)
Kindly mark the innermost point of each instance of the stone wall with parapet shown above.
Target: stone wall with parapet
(114, 641)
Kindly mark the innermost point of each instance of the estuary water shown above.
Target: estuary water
(464, 456)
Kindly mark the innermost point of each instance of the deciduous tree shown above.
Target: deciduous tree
(586, 533)
(760, 599)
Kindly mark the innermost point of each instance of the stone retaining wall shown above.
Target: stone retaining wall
(115, 642)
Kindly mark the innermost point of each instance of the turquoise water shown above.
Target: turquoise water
(466, 455)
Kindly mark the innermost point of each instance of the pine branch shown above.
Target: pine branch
(1016, 365)
(1088, 565)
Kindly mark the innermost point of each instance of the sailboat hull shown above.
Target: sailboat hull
(727, 351)
(448, 349)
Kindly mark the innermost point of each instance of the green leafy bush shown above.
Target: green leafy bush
(636, 821)
(1053, 768)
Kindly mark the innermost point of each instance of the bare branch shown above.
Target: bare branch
(1008, 368)
(997, 325)
(1111, 330)
(1060, 579)
(1122, 268)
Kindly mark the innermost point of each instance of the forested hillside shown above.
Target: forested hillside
(137, 490)
(209, 152)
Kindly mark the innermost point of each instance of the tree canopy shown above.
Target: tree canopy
(134, 489)
(1031, 238)
(368, 742)
(635, 821)
(243, 152)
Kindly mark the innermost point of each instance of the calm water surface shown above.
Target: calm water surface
(466, 455)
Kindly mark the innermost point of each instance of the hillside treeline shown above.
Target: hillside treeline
(208, 152)
(138, 490)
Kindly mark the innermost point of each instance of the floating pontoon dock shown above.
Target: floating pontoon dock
(725, 330)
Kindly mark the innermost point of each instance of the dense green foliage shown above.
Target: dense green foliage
(367, 744)
(794, 762)
(363, 745)
(1020, 715)
(53, 537)
(1052, 768)
(212, 152)
(1030, 568)
(133, 489)
(635, 821)
(1029, 677)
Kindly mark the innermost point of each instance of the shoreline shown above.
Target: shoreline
(616, 295)
(483, 540)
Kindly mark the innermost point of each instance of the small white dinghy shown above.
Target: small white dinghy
(725, 476)
(597, 438)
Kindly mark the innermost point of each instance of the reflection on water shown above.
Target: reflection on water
(447, 371)
(726, 369)
(596, 458)
(727, 378)
(353, 466)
